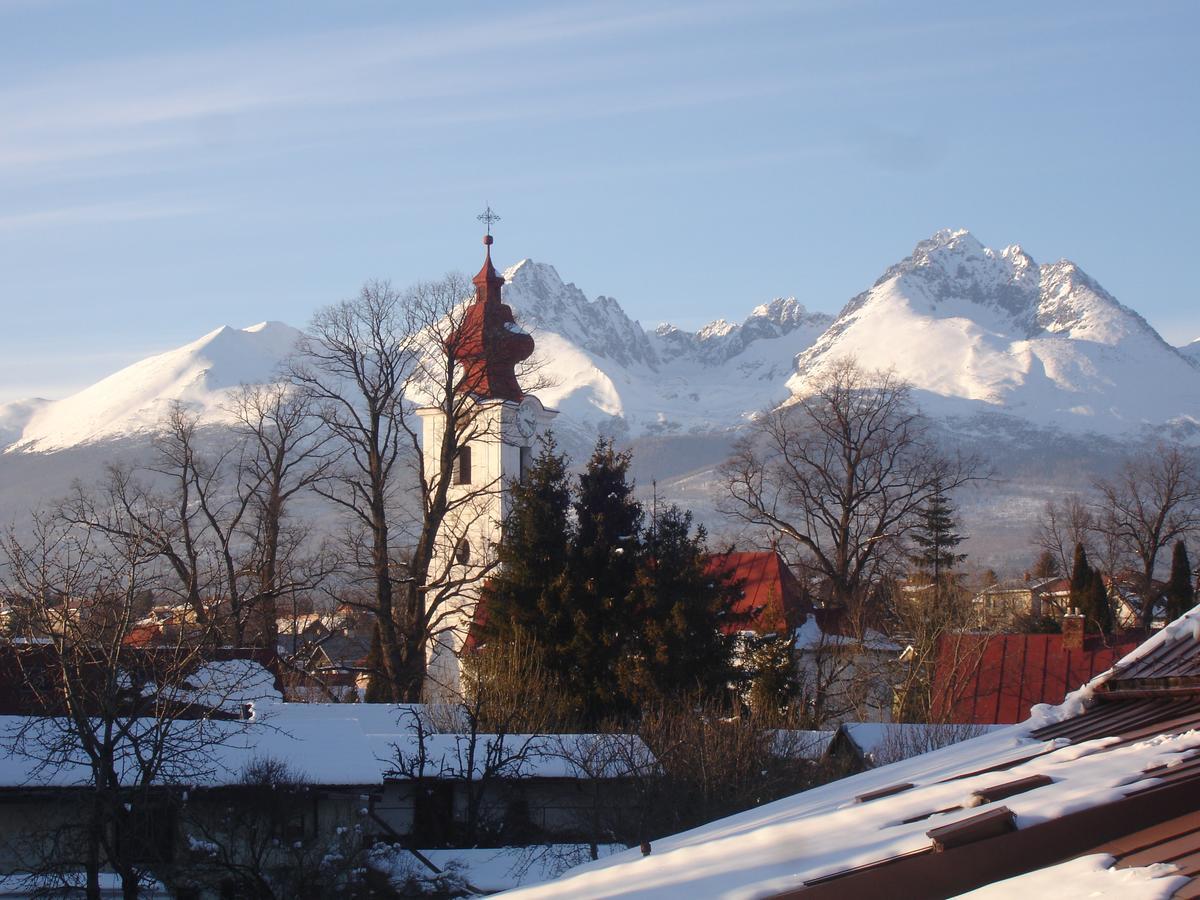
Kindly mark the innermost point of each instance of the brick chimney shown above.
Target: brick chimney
(1072, 632)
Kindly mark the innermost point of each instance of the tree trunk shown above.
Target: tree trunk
(93, 853)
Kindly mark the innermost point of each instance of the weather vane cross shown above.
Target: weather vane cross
(487, 217)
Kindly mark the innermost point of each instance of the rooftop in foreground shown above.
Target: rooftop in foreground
(1103, 786)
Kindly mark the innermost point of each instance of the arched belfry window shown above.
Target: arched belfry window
(462, 465)
(462, 552)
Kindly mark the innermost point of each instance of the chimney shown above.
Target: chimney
(1072, 632)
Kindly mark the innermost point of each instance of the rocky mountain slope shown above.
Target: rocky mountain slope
(978, 331)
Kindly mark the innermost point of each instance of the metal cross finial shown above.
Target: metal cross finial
(487, 217)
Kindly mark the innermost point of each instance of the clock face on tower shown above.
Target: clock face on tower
(527, 417)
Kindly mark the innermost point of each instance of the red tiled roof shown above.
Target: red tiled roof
(995, 679)
(772, 599)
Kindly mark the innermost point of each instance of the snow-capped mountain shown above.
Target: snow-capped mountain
(135, 399)
(606, 371)
(978, 331)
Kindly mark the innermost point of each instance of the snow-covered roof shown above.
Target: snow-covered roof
(321, 743)
(887, 813)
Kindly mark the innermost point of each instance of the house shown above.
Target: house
(856, 746)
(845, 667)
(1015, 601)
(1088, 797)
(1125, 595)
(843, 663)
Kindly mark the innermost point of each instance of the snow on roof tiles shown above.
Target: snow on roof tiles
(1080, 768)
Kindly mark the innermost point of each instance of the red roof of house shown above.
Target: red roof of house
(771, 596)
(995, 679)
(143, 636)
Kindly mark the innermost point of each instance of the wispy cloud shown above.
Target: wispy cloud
(157, 102)
(97, 214)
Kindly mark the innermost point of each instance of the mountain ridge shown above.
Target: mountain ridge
(975, 330)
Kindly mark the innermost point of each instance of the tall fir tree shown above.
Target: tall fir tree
(1089, 594)
(602, 564)
(524, 600)
(1181, 593)
(615, 613)
(936, 538)
(675, 608)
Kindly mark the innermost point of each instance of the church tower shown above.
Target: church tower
(499, 425)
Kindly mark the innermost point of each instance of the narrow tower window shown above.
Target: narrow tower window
(526, 463)
(462, 467)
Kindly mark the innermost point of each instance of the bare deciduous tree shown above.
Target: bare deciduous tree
(1064, 523)
(1151, 502)
(215, 516)
(841, 474)
(939, 627)
(285, 451)
(122, 723)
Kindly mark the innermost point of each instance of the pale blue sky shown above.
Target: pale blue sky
(166, 168)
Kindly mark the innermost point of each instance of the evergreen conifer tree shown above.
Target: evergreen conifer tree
(524, 600)
(674, 611)
(936, 538)
(602, 564)
(1081, 575)
(1045, 566)
(1099, 609)
(1181, 595)
(1089, 595)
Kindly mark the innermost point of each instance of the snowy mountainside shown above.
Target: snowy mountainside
(606, 372)
(15, 416)
(1192, 350)
(134, 400)
(976, 331)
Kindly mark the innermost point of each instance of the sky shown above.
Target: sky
(168, 168)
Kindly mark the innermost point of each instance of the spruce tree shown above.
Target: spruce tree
(524, 600)
(1081, 576)
(1045, 566)
(1089, 595)
(674, 610)
(602, 564)
(936, 538)
(1099, 609)
(1181, 595)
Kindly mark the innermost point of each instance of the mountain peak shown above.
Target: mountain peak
(135, 399)
(541, 299)
(966, 324)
